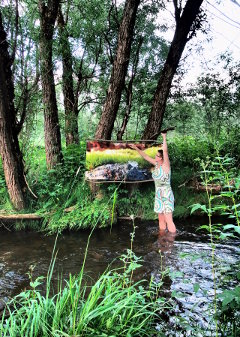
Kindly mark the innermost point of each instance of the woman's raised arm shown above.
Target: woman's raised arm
(143, 154)
(166, 161)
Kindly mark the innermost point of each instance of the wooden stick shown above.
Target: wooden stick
(120, 141)
(30, 216)
(162, 131)
(118, 181)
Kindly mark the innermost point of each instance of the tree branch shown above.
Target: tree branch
(12, 57)
(177, 11)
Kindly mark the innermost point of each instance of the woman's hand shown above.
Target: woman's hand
(142, 153)
(133, 147)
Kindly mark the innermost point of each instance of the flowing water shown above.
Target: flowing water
(187, 255)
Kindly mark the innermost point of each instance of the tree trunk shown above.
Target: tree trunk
(53, 149)
(183, 28)
(127, 111)
(9, 146)
(129, 91)
(120, 66)
(71, 113)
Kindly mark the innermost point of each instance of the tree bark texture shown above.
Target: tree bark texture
(129, 92)
(9, 146)
(183, 26)
(48, 15)
(127, 111)
(120, 66)
(71, 109)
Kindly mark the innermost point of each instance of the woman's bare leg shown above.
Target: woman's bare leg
(162, 222)
(170, 224)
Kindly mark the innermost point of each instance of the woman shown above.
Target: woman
(164, 199)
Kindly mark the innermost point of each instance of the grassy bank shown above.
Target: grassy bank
(64, 187)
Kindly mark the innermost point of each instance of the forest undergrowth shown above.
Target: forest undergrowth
(64, 187)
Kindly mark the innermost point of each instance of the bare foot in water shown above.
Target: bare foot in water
(165, 241)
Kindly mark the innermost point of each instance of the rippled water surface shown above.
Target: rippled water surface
(187, 255)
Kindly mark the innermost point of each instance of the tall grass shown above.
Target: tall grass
(114, 306)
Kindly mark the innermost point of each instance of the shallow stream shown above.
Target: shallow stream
(187, 255)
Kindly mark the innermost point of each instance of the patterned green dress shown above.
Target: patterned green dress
(164, 198)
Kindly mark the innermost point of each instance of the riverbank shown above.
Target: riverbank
(64, 188)
(32, 226)
(102, 207)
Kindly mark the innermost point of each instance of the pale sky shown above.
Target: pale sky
(225, 26)
(224, 22)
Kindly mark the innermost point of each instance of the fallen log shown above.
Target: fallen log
(30, 216)
(129, 217)
(198, 186)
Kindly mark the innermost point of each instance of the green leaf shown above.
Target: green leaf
(229, 296)
(235, 228)
(235, 206)
(205, 227)
(226, 298)
(227, 194)
(224, 236)
(183, 255)
(177, 294)
(35, 284)
(175, 274)
(196, 287)
(228, 226)
(198, 206)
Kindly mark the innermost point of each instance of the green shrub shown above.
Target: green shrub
(184, 150)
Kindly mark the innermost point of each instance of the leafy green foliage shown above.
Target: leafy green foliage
(222, 171)
(64, 187)
(210, 108)
(53, 187)
(86, 213)
(184, 150)
(137, 201)
(229, 303)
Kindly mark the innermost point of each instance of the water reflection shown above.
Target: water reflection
(165, 241)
